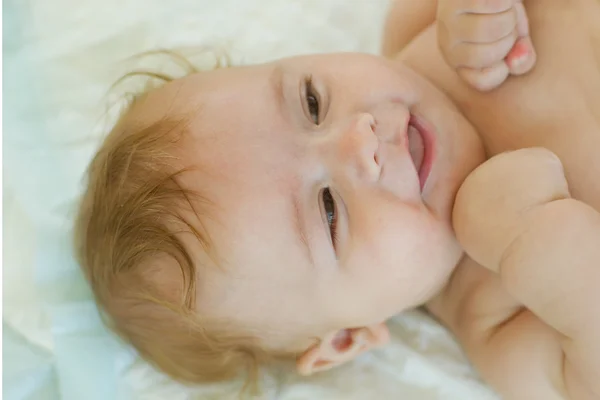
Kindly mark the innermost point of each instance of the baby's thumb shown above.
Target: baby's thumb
(521, 57)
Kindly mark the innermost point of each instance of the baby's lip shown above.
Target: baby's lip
(420, 146)
(415, 145)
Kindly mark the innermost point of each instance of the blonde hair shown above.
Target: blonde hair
(126, 235)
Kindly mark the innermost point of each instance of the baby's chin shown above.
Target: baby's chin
(434, 290)
(433, 280)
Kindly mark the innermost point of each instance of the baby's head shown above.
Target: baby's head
(284, 209)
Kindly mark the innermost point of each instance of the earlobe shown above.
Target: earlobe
(341, 346)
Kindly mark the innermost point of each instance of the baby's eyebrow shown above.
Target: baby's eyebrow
(300, 228)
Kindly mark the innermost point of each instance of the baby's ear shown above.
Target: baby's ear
(338, 347)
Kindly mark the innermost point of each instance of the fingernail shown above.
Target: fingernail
(516, 62)
(519, 54)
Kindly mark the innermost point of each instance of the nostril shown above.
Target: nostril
(376, 159)
(373, 124)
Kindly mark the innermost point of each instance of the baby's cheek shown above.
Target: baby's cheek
(390, 246)
(399, 251)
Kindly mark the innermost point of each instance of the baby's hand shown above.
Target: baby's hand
(515, 216)
(485, 40)
(492, 205)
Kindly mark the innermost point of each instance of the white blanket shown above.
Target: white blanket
(60, 58)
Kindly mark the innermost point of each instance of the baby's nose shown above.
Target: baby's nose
(358, 146)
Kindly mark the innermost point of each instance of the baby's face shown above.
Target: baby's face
(332, 179)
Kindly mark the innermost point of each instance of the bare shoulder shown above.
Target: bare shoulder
(405, 20)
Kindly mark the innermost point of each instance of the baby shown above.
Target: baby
(287, 210)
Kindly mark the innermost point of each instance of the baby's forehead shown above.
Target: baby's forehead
(189, 94)
(229, 150)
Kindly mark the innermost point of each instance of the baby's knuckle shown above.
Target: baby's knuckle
(483, 30)
(500, 27)
(495, 5)
(500, 50)
(486, 79)
(491, 28)
(486, 83)
(479, 58)
(488, 33)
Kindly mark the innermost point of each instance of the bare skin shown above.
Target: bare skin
(532, 335)
(335, 179)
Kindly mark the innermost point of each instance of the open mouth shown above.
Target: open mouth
(420, 146)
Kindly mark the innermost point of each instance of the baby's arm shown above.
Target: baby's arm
(406, 19)
(514, 215)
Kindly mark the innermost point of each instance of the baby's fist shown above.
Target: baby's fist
(493, 204)
(485, 40)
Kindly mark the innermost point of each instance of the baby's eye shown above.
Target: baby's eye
(331, 214)
(312, 101)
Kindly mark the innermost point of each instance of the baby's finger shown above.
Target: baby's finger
(483, 28)
(480, 55)
(485, 79)
(522, 20)
(521, 57)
